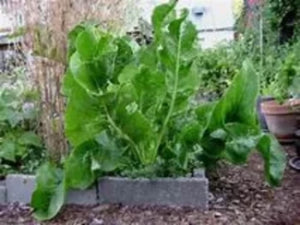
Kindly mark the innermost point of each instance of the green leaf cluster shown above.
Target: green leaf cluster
(20, 147)
(131, 112)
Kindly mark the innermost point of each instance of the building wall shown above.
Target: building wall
(214, 25)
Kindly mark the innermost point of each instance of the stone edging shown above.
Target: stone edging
(185, 191)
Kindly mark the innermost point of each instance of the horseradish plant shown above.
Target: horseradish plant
(130, 112)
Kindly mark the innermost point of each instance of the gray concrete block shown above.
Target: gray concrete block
(2, 194)
(82, 197)
(162, 191)
(19, 188)
(185, 191)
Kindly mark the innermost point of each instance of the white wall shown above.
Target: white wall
(217, 15)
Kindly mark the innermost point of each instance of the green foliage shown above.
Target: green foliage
(284, 82)
(20, 148)
(217, 67)
(282, 16)
(49, 195)
(131, 112)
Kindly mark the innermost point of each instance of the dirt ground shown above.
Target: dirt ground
(238, 196)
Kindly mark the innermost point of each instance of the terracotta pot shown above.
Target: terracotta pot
(281, 119)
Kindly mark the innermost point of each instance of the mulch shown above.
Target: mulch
(239, 196)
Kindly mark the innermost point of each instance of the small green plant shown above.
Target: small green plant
(131, 112)
(20, 148)
(283, 84)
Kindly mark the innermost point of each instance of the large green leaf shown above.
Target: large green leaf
(83, 118)
(124, 56)
(49, 194)
(230, 127)
(238, 103)
(78, 166)
(274, 157)
(87, 43)
(99, 155)
(145, 80)
(107, 157)
(8, 150)
(87, 74)
(99, 59)
(159, 16)
(140, 132)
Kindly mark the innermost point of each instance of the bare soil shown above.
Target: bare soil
(239, 195)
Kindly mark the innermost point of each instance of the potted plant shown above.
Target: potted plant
(131, 113)
(282, 113)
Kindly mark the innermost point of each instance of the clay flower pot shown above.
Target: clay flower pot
(281, 119)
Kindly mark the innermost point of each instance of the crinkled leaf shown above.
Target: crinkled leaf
(49, 194)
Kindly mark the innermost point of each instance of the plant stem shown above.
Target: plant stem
(173, 99)
(122, 134)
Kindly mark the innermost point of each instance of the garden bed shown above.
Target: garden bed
(239, 196)
(182, 191)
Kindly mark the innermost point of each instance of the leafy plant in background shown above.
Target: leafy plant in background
(131, 112)
(286, 72)
(217, 67)
(20, 148)
(282, 17)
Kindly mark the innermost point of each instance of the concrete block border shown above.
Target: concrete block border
(183, 191)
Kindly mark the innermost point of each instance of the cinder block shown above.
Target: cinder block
(2, 194)
(19, 188)
(162, 191)
(82, 197)
(186, 191)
